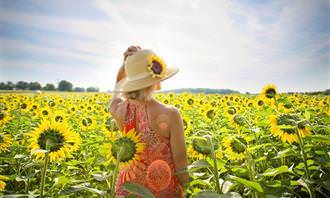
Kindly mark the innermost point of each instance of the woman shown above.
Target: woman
(158, 127)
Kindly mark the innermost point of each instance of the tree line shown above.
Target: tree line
(63, 85)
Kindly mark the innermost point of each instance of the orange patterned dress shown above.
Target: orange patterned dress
(157, 156)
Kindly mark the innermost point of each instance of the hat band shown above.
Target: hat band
(138, 76)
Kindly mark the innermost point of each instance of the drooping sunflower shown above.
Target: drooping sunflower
(2, 183)
(60, 140)
(269, 91)
(156, 66)
(285, 126)
(128, 147)
(5, 142)
(237, 121)
(202, 146)
(235, 147)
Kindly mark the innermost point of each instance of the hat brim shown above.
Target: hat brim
(126, 85)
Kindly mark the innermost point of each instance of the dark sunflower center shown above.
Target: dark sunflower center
(58, 118)
(260, 102)
(231, 110)
(2, 116)
(190, 101)
(44, 112)
(210, 113)
(86, 122)
(51, 103)
(270, 93)
(23, 106)
(127, 147)
(156, 67)
(238, 145)
(53, 138)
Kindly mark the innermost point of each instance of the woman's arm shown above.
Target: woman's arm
(178, 145)
(116, 97)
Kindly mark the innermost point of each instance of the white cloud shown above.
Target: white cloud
(212, 48)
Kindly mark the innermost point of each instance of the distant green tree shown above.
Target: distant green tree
(64, 85)
(22, 85)
(34, 86)
(92, 89)
(79, 89)
(49, 87)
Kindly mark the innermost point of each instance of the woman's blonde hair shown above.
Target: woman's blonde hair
(141, 94)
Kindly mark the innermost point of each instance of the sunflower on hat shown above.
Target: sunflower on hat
(156, 66)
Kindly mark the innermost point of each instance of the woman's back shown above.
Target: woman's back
(155, 167)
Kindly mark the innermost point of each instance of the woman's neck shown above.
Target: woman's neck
(139, 101)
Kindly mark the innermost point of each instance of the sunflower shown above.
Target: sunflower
(58, 137)
(269, 91)
(4, 117)
(202, 146)
(156, 66)
(235, 147)
(237, 120)
(5, 142)
(2, 183)
(87, 122)
(286, 125)
(128, 148)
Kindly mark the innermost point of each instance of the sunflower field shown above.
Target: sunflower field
(267, 145)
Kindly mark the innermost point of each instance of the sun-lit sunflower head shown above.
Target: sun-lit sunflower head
(269, 91)
(127, 148)
(235, 147)
(5, 142)
(55, 138)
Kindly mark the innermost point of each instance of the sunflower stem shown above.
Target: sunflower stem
(251, 168)
(215, 169)
(114, 175)
(303, 154)
(43, 174)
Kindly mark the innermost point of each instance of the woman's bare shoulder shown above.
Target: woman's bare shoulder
(173, 112)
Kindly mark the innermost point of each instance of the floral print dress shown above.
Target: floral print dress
(155, 168)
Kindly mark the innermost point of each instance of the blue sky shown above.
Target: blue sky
(241, 45)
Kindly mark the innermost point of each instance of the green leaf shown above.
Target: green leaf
(258, 146)
(303, 182)
(231, 195)
(199, 164)
(207, 194)
(270, 172)
(250, 184)
(62, 180)
(320, 138)
(138, 190)
(285, 153)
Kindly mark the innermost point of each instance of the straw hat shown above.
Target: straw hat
(143, 69)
